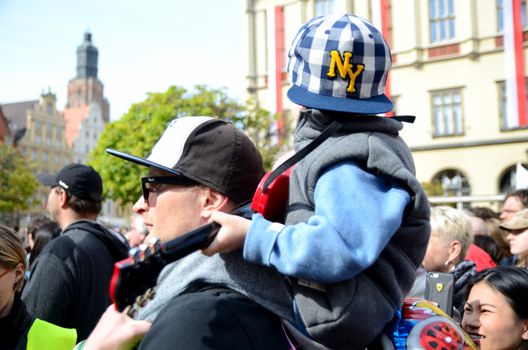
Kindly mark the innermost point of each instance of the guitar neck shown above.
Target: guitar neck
(188, 243)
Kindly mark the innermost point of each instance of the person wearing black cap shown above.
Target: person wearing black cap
(69, 284)
(198, 166)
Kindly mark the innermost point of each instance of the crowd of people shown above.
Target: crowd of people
(358, 234)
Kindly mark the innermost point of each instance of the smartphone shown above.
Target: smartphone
(439, 289)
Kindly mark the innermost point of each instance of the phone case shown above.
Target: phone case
(439, 289)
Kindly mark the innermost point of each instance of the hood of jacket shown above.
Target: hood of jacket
(116, 243)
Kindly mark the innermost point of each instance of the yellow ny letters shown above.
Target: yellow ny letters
(344, 68)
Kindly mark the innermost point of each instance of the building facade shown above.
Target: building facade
(38, 129)
(448, 70)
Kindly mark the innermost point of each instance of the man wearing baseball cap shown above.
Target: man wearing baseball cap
(69, 284)
(357, 224)
(201, 165)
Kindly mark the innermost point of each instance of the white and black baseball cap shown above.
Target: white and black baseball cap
(208, 151)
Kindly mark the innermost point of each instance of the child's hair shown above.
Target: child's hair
(12, 252)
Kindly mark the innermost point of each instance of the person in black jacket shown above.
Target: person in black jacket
(70, 282)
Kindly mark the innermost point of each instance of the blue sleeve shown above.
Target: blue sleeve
(356, 214)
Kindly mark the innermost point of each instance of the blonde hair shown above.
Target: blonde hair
(12, 252)
(449, 224)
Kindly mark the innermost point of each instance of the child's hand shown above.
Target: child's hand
(232, 233)
(116, 330)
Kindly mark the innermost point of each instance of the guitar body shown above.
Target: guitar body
(272, 202)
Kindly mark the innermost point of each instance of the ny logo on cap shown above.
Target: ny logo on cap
(345, 69)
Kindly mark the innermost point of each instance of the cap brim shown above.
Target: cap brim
(372, 105)
(141, 161)
(48, 180)
(513, 226)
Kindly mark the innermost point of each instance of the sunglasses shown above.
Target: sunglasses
(151, 184)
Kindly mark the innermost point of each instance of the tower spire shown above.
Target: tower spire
(87, 58)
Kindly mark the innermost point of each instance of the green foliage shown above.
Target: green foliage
(139, 129)
(257, 124)
(16, 181)
(433, 189)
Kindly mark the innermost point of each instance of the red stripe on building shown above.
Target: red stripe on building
(385, 31)
(519, 62)
(279, 64)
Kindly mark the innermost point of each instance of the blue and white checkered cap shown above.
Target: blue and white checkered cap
(340, 63)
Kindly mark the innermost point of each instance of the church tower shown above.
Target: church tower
(86, 87)
(87, 110)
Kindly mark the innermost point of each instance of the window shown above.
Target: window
(58, 136)
(447, 113)
(500, 19)
(508, 123)
(453, 184)
(441, 20)
(38, 132)
(324, 7)
(508, 179)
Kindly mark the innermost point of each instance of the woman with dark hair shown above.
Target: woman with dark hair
(496, 311)
(490, 246)
(39, 238)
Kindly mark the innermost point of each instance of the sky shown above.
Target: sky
(144, 46)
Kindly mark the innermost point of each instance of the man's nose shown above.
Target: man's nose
(140, 206)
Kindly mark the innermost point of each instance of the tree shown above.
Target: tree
(17, 182)
(139, 129)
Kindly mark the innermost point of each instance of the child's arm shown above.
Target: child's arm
(356, 214)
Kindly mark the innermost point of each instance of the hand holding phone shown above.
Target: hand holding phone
(439, 289)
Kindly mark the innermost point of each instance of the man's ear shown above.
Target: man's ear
(63, 198)
(213, 201)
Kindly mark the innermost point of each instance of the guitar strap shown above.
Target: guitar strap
(327, 132)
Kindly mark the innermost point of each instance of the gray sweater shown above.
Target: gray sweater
(263, 285)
